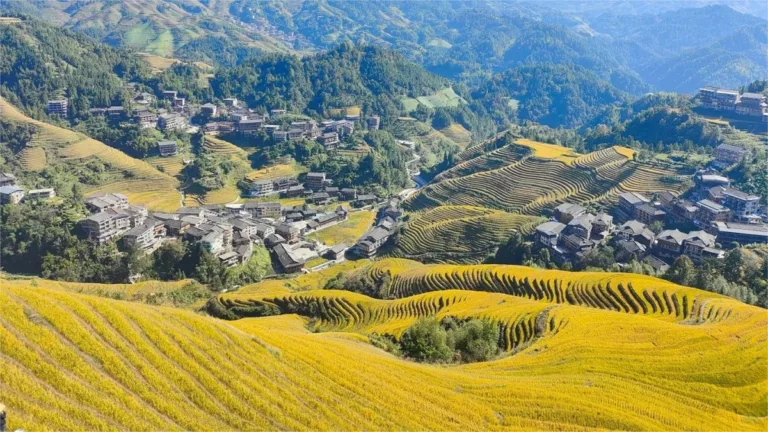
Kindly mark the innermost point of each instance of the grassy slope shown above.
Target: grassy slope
(346, 232)
(144, 184)
(72, 361)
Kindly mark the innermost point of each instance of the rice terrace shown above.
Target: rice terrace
(338, 215)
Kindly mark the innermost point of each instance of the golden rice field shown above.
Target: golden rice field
(459, 233)
(216, 145)
(292, 169)
(158, 63)
(33, 158)
(127, 291)
(346, 232)
(142, 183)
(549, 151)
(458, 134)
(172, 165)
(690, 360)
(524, 184)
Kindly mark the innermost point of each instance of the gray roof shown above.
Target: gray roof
(634, 227)
(711, 205)
(701, 238)
(376, 234)
(571, 209)
(6, 190)
(740, 195)
(737, 228)
(634, 198)
(729, 147)
(316, 174)
(672, 235)
(748, 95)
(339, 248)
(551, 227)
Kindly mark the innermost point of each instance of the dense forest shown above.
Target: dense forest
(347, 75)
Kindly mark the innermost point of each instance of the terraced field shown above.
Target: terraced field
(139, 181)
(458, 134)
(459, 233)
(346, 232)
(172, 165)
(33, 158)
(682, 360)
(292, 169)
(215, 145)
(508, 179)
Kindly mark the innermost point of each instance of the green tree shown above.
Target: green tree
(476, 340)
(426, 341)
(682, 271)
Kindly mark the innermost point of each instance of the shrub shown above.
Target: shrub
(426, 341)
(475, 340)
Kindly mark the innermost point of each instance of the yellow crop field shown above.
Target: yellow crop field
(291, 169)
(216, 145)
(158, 63)
(459, 233)
(506, 179)
(458, 134)
(142, 183)
(172, 165)
(598, 355)
(549, 151)
(348, 231)
(33, 158)
(126, 290)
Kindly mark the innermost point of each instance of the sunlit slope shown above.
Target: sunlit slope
(142, 183)
(459, 233)
(526, 176)
(76, 362)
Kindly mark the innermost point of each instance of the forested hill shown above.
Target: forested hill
(345, 76)
(554, 95)
(39, 62)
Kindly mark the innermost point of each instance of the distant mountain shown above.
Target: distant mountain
(636, 46)
(685, 49)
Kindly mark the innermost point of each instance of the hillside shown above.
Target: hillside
(459, 233)
(539, 176)
(91, 164)
(345, 76)
(62, 352)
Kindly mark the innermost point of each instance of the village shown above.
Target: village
(647, 229)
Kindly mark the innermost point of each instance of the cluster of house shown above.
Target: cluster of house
(229, 232)
(12, 193)
(328, 132)
(388, 220)
(316, 189)
(725, 215)
(749, 104)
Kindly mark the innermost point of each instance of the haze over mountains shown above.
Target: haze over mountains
(637, 47)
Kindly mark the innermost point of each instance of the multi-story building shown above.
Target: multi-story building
(263, 210)
(7, 179)
(370, 243)
(315, 180)
(743, 205)
(104, 226)
(682, 211)
(695, 244)
(729, 232)
(727, 154)
(629, 201)
(289, 232)
(209, 110)
(115, 112)
(649, 214)
(171, 121)
(710, 211)
(726, 99)
(329, 140)
(100, 203)
(286, 260)
(373, 122)
(669, 243)
(144, 118)
(58, 107)
(280, 136)
(11, 194)
(36, 194)
(581, 226)
(231, 102)
(602, 224)
(261, 188)
(168, 148)
(751, 104)
(566, 212)
(249, 127)
(146, 235)
(170, 95)
(548, 233)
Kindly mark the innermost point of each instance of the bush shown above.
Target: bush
(426, 341)
(465, 341)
